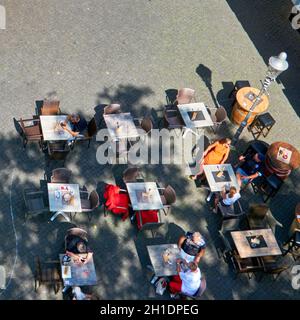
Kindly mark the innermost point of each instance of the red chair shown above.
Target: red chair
(116, 201)
(149, 220)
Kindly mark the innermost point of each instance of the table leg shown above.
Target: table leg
(57, 214)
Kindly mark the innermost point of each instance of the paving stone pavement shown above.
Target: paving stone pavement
(89, 53)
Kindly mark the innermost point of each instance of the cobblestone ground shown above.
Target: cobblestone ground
(92, 52)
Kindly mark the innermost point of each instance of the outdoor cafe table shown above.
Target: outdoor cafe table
(216, 184)
(160, 267)
(144, 196)
(267, 246)
(194, 115)
(75, 274)
(120, 126)
(57, 193)
(52, 130)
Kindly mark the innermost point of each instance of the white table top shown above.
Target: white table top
(215, 186)
(270, 246)
(120, 126)
(160, 267)
(52, 130)
(144, 196)
(185, 109)
(56, 192)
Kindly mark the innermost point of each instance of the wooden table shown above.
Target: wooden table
(51, 129)
(156, 256)
(268, 246)
(244, 100)
(144, 196)
(216, 184)
(74, 274)
(195, 115)
(57, 194)
(121, 126)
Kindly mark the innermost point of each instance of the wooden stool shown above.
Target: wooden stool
(260, 123)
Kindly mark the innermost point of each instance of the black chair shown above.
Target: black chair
(91, 132)
(89, 202)
(273, 266)
(35, 202)
(237, 86)
(256, 147)
(61, 175)
(262, 124)
(57, 151)
(267, 186)
(234, 211)
(293, 245)
(172, 118)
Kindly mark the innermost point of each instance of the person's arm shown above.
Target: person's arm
(225, 157)
(75, 257)
(88, 257)
(180, 241)
(73, 133)
(178, 267)
(199, 256)
(209, 148)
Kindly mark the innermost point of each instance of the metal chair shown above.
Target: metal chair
(272, 266)
(185, 95)
(260, 217)
(145, 123)
(91, 132)
(29, 130)
(267, 186)
(77, 232)
(231, 212)
(47, 273)
(218, 116)
(248, 266)
(34, 202)
(132, 174)
(293, 245)
(168, 197)
(172, 118)
(50, 107)
(57, 151)
(61, 175)
(152, 226)
(89, 202)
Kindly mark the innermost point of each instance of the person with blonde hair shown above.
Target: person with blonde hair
(228, 198)
(216, 153)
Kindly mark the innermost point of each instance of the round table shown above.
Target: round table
(243, 104)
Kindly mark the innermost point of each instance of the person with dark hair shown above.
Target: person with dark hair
(250, 168)
(216, 153)
(188, 280)
(77, 247)
(77, 123)
(192, 247)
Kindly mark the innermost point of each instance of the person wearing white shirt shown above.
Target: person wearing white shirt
(188, 280)
(228, 199)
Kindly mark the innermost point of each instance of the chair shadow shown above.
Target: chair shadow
(171, 95)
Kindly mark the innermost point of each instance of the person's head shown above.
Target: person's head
(81, 247)
(225, 141)
(196, 237)
(232, 191)
(75, 117)
(192, 266)
(258, 157)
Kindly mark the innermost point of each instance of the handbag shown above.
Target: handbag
(161, 286)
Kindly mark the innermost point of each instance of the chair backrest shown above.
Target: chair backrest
(77, 232)
(131, 174)
(19, 128)
(185, 95)
(61, 175)
(147, 124)
(272, 222)
(50, 107)
(170, 195)
(258, 211)
(230, 225)
(58, 150)
(94, 199)
(221, 114)
(33, 129)
(112, 108)
(34, 200)
(92, 127)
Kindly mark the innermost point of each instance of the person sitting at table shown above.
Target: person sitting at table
(78, 126)
(76, 247)
(216, 153)
(188, 280)
(192, 247)
(250, 168)
(228, 198)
